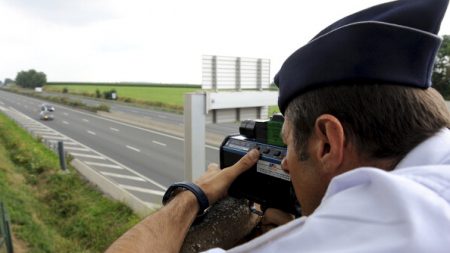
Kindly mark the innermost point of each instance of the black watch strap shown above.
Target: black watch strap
(197, 191)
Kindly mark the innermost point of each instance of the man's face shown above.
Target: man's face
(309, 184)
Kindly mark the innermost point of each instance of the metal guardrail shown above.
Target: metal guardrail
(5, 232)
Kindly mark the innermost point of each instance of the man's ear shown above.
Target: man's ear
(329, 143)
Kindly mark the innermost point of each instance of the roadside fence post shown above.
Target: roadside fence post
(5, 231)
(62, 159)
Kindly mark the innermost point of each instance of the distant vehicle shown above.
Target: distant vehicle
(47, 107)
(46, 112)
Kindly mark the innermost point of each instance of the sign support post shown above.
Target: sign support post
(194, 135)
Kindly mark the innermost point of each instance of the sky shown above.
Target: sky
(156, 41)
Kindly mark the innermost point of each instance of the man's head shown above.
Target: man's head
(338, 128)
(358, 94)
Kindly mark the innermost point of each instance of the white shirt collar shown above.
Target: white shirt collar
(434, 150)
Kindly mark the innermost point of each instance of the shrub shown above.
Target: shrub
(103, 107)
(109, 94)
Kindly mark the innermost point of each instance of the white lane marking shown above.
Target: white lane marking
(140, 189)
(85, 120)
(76, 149)
(114, 129)
(162, 116)
(3, 109)
(104, 165)
(212, 147)
(65, 122)
(133, 148)
(88, 156)
(45, 132)
(152, 205)
(122, 176)
(90, 132)
(160, 143)
(70, 141)
(65, 113)
(39, 128)
(34, 126)
(53, 137)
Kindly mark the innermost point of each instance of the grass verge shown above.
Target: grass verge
(168, 98)
(53, 211)
(60, 100)
(273, 109)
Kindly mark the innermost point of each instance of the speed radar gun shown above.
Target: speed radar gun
(265, 183)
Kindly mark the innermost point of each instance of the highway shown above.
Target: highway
(156, 156)
(165, 117)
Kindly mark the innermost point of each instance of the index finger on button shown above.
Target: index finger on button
(245, 163)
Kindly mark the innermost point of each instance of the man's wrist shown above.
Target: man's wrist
(200, 196)
(187, 199)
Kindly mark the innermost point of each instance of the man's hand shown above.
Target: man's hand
(215, 182)
(165, 230)
(273, 218)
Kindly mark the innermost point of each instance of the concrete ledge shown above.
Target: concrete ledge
(107, 186)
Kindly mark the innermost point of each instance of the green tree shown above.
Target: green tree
(31, 79)
(441, 73)
(8, 80)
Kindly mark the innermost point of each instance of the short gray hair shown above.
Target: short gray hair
(383, 121)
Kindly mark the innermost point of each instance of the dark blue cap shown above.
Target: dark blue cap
(395, 42)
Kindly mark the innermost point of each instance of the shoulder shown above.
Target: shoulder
(400, 208)
(370, 210)
(415, 189)
(411, 184)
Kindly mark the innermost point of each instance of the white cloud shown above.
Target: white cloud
(155, 41)
(67, 12)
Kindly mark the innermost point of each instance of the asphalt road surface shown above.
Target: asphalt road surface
(165, 117)
(155, 155)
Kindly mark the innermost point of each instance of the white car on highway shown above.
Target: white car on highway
(46, 112)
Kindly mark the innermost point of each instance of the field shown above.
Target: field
(166, 95)
(169, 97)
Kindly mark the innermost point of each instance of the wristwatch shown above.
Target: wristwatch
(176, 188)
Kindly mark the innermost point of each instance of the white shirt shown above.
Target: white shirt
(370, 210)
